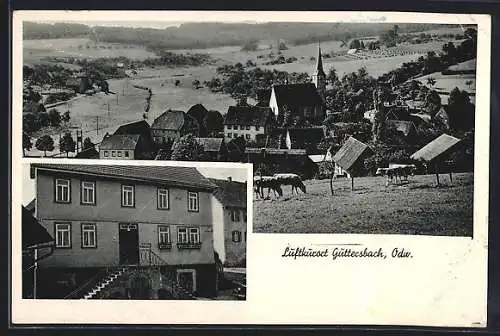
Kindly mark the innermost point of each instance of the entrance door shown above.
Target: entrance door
(187, 279)
(129, 244)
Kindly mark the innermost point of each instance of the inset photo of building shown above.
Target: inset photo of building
(134, 232)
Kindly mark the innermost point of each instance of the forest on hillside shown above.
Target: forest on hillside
(204, 35)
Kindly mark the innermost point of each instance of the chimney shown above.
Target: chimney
(230, 179)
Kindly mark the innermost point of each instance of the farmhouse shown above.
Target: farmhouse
(230, 221)
(250, 122)
(143, 129)
(172, 125)
(152, 221)
(215, 148)
(122, 147)
(304, 138)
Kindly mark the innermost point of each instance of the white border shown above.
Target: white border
(444, 285)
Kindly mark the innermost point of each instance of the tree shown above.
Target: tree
(43, 119)
(282, 46)
(196, 84)
(66, 117)
(332, 76)
(54, 117)
(355, 44)
(250, 45)
(30, 123)
(45, 143)
(213, 122)
(460, 110)
(431, 81)
(27, 144)
(67, 144)
(88, 144)
(187, 149)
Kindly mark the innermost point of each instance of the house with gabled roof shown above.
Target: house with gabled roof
(120, 147)
(117, 223)
(230, 221)
(215, 149)
(171, 125)
(253, 123)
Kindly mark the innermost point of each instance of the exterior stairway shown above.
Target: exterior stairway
(108, 280)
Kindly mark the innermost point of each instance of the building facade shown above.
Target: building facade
(101, 216)
(253, 123)
(230, 222)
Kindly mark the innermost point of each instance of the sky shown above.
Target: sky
(238, 174)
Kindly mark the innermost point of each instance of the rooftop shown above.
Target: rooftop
(297, 95)
(120, 141)
(33, 233)
(436, 148)
(231, 193)
(247, 115)
(349, 153)
(167, 175)
(169, 120)
(210, 144)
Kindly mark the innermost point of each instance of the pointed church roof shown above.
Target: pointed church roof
(319, 63)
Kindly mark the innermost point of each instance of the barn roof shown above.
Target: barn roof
(297, 95)
(247, 115)
(299, 137)
(89, 153)
(197, 112)
(170, 175)
(33, 233)
(231, 193)
(120, 141)
(349, 153)
(137, 127)
(402, 126)
(436, 148)
(169, 120)
(210, 144)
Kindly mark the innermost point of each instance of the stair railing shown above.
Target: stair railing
(88, 285)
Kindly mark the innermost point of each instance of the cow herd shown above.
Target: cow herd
(276, 182)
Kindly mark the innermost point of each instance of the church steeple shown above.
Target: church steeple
(319, 76)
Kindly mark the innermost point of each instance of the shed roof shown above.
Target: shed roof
(169, 120)
(120, 141)
(299, 137)
(247, 115)
(169, 175)
(231, 193)
(210, 144)
(402, 126)
(297, 95)
(436, 148)
(349, 153)
(33, 233)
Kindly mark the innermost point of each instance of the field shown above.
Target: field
(35, 50)
(417, 207)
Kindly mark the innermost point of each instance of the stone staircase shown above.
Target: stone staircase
(107, 281)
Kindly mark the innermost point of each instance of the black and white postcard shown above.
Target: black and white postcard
(353, 145)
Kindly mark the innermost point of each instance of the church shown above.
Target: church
(305, 101)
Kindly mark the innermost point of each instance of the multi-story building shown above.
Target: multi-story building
(253, 123)
(104, 216)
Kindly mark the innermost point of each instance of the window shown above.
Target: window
(242, 127)
(193, 201)
(88, 192)
(106, 153)
(128, 196)
(163, 199)
(164, 237)
(257, 128)
(89, 239)
(247, 127)
(235, 215)
(119, 153)
(229, 127)
(126, 153)
(113, 154)
(63, 235)
(247, 136)
(182, 236)
(194, 235)
(63, 191)
(236, 236)
(229, 135)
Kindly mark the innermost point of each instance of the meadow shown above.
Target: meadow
(417, 207)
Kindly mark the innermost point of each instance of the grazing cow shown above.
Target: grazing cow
(293, 180)
(268, 182)
(394, 173)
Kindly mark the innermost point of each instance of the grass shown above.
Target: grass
(416, 207)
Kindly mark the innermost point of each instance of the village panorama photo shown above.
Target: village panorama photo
(351, 127)
(136, 232)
